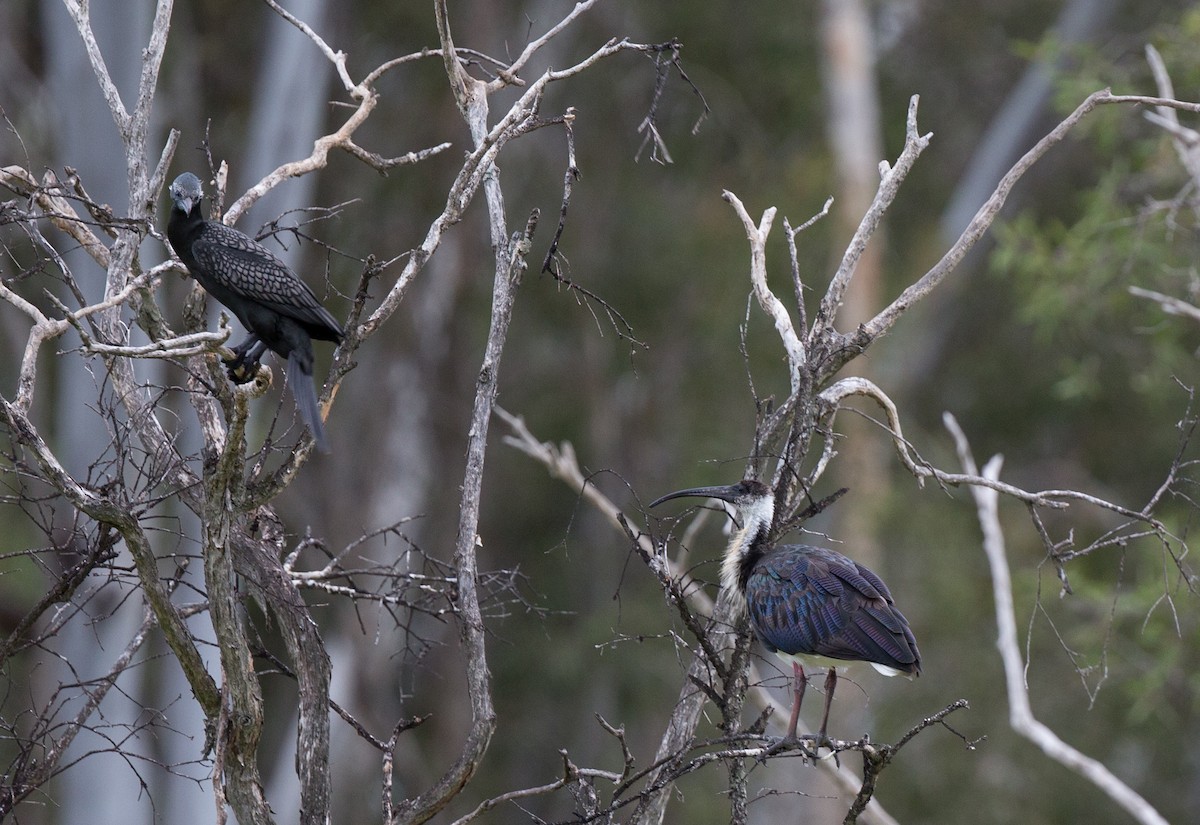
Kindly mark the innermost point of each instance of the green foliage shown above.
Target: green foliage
(1135, 225)
(1071, 278)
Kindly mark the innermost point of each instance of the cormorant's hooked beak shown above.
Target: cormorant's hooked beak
(727, 493)
(186, 192)
(183, 203)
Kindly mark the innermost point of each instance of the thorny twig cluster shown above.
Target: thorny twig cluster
(408, 583)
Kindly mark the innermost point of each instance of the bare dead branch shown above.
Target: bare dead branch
(510, 266)
(797, 353)
(338, 59)
(195, 343)
(877, 757)
(510, 75)
(524, 793)
(1169, 304)
(79, 11)
(1021, 714)
(30, 775)
(382, 164)
(57, 208)
(891, 178)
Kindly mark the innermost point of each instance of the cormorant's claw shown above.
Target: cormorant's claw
(245, 362)
(239, 370)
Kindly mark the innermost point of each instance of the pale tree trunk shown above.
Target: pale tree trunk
(290, 98)
(291, 92)
(1016, 125)
(853, 123)
(99, 790)
(1017, 120)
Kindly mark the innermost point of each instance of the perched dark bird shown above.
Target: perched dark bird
(808, 605)
(278, 309)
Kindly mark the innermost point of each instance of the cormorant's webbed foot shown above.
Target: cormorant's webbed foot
(244, 365)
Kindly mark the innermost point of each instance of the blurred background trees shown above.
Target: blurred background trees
(1035, 344)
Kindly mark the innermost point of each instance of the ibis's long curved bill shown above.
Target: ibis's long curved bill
(726, 493)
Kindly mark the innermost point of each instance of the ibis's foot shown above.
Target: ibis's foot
(782, 744)
(779, 744)
(818, 741)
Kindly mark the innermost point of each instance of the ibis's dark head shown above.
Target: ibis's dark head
(753, 501)
(187, 192)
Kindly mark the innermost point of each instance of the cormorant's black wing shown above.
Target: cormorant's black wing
(813, 601)
(251, 271)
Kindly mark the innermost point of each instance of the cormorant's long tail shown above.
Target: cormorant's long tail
(305, 393)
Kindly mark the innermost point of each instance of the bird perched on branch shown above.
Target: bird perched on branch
(278, 309)
(808, 605)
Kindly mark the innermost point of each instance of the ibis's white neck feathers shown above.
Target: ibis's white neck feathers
(756, 516)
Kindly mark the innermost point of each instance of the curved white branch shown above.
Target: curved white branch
(1020, 711)
(338, 58)
(772, 306)
(1169, 304)
(834, 395)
